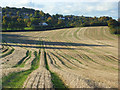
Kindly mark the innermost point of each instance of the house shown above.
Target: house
(61, 18)
(70, 18)
(43, 24)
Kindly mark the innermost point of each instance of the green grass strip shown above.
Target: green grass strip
(57, 82)
(16, 79)
(35, 62)
(46, 63)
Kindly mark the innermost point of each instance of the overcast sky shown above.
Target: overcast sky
(68, 7)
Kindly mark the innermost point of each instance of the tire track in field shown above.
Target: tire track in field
(39, 78)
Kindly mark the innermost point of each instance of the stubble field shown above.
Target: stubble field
(65, 58)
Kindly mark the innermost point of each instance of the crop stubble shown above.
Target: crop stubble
(82, 57)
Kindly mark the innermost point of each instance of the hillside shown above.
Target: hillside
(30, 19)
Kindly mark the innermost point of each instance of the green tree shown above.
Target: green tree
(37, 15)
(18, 13)
(26, 21)
(10, 13)
(29, 23)
(61, 22)
(49, 21)
(4, 24)
(21, 23)
(112, 23)
(35, 21)
(41, 13)
(11, 25)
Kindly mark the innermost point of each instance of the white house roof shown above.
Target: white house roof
(44, 24)
(61, 18)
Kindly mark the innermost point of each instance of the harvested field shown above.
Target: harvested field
(80, 57)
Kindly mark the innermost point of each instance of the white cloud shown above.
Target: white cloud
(83, 8)
(75, 1)
(75, 7)
(105, 6)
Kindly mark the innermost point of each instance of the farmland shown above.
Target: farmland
(85, 57)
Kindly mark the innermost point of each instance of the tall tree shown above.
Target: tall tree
(18, 13)
(37, 14)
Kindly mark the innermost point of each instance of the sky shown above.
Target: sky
(69, 7)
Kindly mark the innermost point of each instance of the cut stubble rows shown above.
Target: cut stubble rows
(66, 58)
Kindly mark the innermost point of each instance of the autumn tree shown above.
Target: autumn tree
(21, 23)
(18, 13)
(5, 22)
(37, 14)
(61, 22)
(29, 24)
(50, 21)
(112, 23)
(41, 13)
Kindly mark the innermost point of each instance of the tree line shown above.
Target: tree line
(114, 26)
(26, 18)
